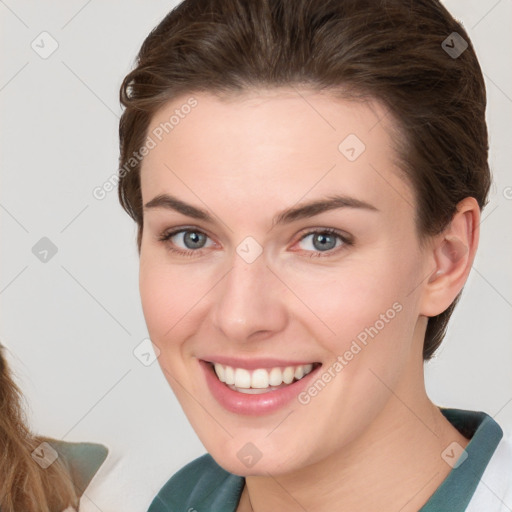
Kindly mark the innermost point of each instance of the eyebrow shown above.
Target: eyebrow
(287, 216)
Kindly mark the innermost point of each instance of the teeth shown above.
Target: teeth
(247, 381)
(288, 375)
(259, 379)
(242, 378)
(221, 373)
(275, 377)
(230, 375)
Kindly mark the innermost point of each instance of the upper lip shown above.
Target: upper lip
(254, 362)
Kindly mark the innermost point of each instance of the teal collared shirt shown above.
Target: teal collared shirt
(203, 485)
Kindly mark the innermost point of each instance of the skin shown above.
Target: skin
(244, 159)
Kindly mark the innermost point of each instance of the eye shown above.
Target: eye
(324, 240)
(185, 242)
(319, 243)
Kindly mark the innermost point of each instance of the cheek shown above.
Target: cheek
(169, 296)
(343, 302)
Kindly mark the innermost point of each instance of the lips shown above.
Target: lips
(256, 387)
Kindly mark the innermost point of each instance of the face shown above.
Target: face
(279, 272)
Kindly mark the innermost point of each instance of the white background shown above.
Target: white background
(71, 324)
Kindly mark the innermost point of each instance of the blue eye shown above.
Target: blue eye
(324, 241)
(319, 243)
(192, 239)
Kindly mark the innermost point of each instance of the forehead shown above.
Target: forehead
(282, 144)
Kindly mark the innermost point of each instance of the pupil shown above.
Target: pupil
(194, 240)
(325, 241)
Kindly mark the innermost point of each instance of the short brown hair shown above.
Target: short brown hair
(389, 50)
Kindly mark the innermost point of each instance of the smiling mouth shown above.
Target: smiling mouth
(261, 380)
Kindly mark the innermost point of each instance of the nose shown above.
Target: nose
(248, 304)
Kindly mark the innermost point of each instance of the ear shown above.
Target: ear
(451, 256)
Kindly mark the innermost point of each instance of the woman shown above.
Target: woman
(39, 474)
(307, 179)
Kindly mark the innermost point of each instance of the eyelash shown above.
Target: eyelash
(167, 235)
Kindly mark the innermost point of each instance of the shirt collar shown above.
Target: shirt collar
(458, 487)
(204, 484)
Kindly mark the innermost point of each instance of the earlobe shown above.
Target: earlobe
(453, 252)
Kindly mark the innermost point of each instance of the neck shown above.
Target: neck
(395, 464)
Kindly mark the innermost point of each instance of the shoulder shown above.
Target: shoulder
(200, 481)
(494, 490)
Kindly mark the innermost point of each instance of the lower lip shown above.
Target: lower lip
(253, 405)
